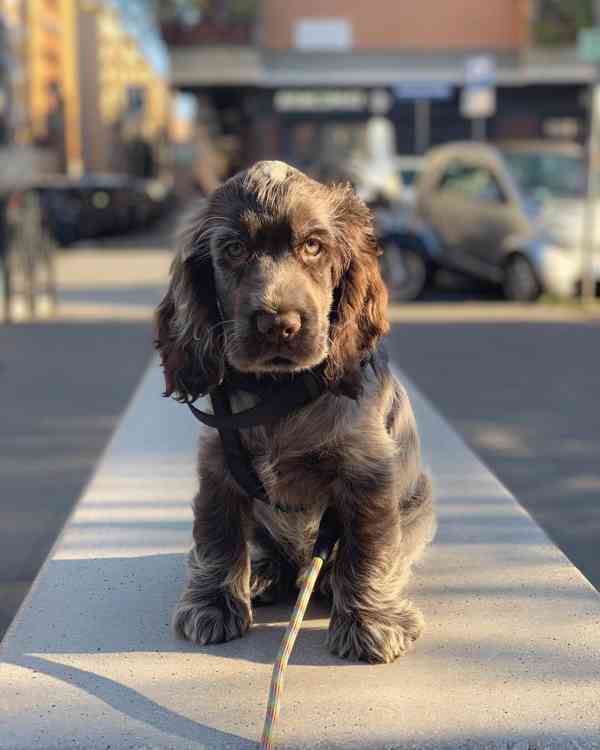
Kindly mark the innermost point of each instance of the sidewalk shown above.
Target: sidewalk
(509, 660)
(111, 283)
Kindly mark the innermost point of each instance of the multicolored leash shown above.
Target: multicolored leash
(326, 539)
(287, 644)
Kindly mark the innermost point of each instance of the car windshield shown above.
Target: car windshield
(548, 174)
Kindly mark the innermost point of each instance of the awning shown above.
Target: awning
(221, 65)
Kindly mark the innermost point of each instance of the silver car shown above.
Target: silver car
(512, 217)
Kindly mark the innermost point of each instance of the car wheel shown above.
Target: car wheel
(520, 281)
(404, 271)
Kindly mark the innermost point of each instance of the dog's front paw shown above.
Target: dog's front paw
(377, 639)
(212, 620)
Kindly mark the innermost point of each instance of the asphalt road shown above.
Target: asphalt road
(525, 395)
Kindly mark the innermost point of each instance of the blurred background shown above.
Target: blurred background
(469, 128)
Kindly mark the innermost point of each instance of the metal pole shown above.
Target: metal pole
(70, 50)
(478, 129)
(5, 261)
(7, 283)
(422, 125)
(588, 282)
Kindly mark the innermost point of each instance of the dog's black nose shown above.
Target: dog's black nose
(278, 326)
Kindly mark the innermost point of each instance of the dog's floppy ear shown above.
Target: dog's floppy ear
(359, 317)
(186, 331)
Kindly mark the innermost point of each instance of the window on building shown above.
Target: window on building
(557, 22)
(323, 34)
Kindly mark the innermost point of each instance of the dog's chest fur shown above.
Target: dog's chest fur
(312, 456)
(289, 459)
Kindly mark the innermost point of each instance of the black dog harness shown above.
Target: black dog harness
(279, 396)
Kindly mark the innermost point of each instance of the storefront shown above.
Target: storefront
(313, 127)
(322, 129)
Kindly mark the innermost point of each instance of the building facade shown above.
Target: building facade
(383, 25)
(120, 82)
(302, 79)
(88, 78)
(124, 89)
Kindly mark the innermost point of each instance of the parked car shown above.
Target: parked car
(475, 214)
(98, 205)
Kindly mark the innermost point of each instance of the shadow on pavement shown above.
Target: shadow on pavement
(525, 397)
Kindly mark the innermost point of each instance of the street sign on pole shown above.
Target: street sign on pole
(480, 71)
(478, 96)
(590, 228)
(588, 49)
(477, 102)
(588, 45)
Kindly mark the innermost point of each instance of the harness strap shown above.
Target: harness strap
(278, 401)
(235, 454)
(285, 398)
(279, 397)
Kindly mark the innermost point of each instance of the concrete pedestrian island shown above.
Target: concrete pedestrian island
(510, 658)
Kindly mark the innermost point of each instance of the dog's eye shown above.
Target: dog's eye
(235, 250)
(312, 246)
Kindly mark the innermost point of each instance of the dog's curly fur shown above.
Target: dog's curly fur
(268, 241)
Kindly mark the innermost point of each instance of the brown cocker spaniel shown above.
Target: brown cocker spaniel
(277, 273)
